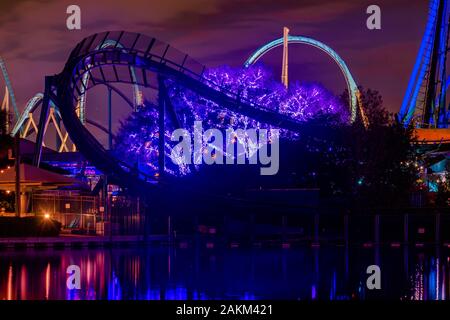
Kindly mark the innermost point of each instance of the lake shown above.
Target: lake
(325, 273)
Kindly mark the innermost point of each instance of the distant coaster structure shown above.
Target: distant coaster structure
(114, 57)
(425, 100)
(352, 87)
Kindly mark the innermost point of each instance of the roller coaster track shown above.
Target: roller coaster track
(9, 93)
(352, 87)
(425, 108)
(138, 61)
(26, 123)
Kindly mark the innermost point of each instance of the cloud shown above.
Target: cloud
(34, 40)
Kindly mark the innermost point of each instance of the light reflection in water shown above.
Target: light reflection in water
(23, 282)
(47, 282)
(418, 282)
(10, 283)
(178, 274)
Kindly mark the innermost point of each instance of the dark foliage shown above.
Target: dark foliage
(358, 166)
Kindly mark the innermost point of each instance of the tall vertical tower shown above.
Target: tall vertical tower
(284, 71)
(425, 99)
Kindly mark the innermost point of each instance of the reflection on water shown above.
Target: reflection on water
(329, 273)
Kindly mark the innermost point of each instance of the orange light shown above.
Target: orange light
(47, 216)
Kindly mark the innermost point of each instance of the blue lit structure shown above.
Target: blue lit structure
(31, 105)
(35, 101)
(138, 137)
(351, 84)
(109, 43)
(9, 86)
(136, 63)
(424, 101)
(110, 58)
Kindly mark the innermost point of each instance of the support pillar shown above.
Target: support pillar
(161, 125)
(283, 228)
(58, 141)
(23, 203)
(406, 229)
(169, 230)
(109, 118)
(431, 89)
(42, 121)
(252, 228)
(377, 229)
(437, 233)
(377, 239)
(406, 265)
(346, 237)
(106, 206)
(316, 228)
(284, 72)
(17, 169)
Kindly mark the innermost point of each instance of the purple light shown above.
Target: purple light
(138, 138)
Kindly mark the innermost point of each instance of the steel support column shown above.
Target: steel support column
(161, 124)
(42, 121)
(17, 170)
(430, 98)
(109, 118)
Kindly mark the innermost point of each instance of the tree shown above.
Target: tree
(364, 166)
(381, 156)
(372, 103)
(137, 139)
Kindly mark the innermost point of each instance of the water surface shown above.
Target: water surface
(328, 273)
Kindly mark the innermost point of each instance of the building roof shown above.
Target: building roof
(34, 178)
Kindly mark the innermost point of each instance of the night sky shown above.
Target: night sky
(35, 41)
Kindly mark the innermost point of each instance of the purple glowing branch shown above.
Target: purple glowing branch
(138, 137)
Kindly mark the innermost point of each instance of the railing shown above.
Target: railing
(75, 212)
(413, 227)
(141, 48)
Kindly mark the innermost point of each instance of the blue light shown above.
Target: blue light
(420, 67)
(9, 86)
(351, 84)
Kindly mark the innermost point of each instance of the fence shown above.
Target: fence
(78, 213)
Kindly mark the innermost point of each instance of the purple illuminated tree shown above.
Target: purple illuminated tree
(137, 140)
(256, 83)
